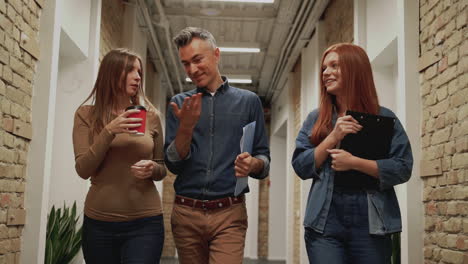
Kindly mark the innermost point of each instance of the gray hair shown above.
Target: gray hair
(185, 36)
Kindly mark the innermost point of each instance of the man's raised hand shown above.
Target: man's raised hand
(190, 111)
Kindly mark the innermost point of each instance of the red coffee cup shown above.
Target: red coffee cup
(142, 114)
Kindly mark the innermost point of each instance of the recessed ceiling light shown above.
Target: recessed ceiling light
(240, 80)
(210, 12)
(246, 1)
(244, 50)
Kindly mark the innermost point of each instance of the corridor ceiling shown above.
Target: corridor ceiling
(280, 29)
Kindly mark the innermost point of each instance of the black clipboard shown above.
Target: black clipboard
(373, 142)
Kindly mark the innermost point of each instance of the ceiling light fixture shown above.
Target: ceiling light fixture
(240, 81)
(210, 12)
(245, 1)
(242, 50)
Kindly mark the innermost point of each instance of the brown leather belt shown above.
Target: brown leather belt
(209, 204)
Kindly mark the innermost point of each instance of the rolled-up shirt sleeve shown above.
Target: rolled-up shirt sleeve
(173, 155)
(397, 168)
(303, 160)
(173, 161)
(266, 167)
(260, 149)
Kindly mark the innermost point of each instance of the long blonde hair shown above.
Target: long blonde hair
(110, 84)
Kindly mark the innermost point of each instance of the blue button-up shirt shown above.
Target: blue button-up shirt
(384, 211)
(207, 172)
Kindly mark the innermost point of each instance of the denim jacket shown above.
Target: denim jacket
(383, 208)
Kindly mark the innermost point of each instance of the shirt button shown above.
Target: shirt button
(220, 204)
(182, 200)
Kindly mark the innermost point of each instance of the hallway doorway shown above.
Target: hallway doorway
(277, 216)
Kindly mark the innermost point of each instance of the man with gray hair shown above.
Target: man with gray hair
(204, 127)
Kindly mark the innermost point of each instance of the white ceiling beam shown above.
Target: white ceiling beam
(223, 13)
(285, 65)
(165, 24)
(251, 72)
(241, 45)
(146, 16)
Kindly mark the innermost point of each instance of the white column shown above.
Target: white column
(360, 23)
(251, 240)
(391, 30)
(409, 111)
(51, 176)
(290, 144)
(277, 201)
(279, 176)
(40, 152)
(77, 57)
(134, 37)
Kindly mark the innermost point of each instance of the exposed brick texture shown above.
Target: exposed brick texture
(263, 210)
(112, 16)
(338, 19)
(444, 91)
(168, 196)
(19, 27)
(297, 223)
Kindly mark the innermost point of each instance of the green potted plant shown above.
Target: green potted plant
(63, 237)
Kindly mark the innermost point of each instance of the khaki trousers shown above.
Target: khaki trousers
(209, 236)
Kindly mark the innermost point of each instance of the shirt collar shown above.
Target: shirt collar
(222, 89)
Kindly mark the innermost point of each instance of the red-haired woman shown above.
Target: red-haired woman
(349, 220)
(123, 220)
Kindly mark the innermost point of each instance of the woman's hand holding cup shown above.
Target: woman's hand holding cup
(124, 124)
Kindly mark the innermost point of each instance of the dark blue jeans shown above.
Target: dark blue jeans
(346, 237)
(138, 241)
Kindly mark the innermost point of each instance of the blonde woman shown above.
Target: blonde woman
(122, 214)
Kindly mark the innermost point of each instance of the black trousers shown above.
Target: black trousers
(139, 241)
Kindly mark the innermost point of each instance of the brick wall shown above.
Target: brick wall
(264, 201)
(297, 223)
(168, 196)
(338, 19)
(112, 16)
(443, 80)
(19, 27)
(263, 210)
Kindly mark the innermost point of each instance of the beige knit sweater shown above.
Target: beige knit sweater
(115, 195)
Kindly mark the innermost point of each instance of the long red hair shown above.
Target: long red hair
(358, 89)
